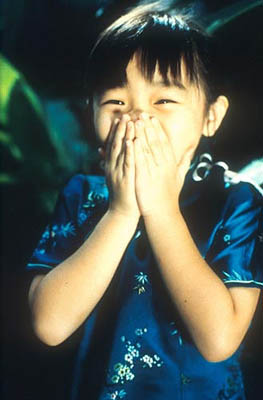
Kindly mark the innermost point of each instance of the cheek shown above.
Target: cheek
(183, 133)
(102, 123)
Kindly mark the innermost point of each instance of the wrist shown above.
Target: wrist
(163, 214)
(130, 219)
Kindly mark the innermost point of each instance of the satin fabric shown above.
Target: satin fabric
(135, 345)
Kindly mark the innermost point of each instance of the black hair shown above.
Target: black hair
(161, 38)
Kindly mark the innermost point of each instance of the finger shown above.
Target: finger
(152, 138)
(140, 134)
(130, 131)
(129, 164)
(117, 143)
(111, 137)
(129, 147)
(138, 157)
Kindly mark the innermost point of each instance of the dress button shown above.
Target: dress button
(185, 380)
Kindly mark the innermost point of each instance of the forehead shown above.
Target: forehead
(157, 79)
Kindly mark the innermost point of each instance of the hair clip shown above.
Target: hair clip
(170, 20)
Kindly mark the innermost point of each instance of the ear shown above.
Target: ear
(215, 116)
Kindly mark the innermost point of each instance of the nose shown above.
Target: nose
(135, 113)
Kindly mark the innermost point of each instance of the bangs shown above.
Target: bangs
(162, 42)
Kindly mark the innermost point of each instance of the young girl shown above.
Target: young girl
(162, 263)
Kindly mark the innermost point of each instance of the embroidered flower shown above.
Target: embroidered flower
(175, 331)
(227, 238)
(126, 371)
(147, 360)
(82, 217)
(185, 380)
(140, 331)
(117, 366)
(128, 358)
(234, 383)
(66, 229)
(46, 234)
(40, 251)
(130, 376)
(133, 351)
(115, 379)
(93, 199)
(141, 280)
(116, 395)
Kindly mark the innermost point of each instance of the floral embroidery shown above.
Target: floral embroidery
(233, 385)
(134, 358)
(82, 217)
(116, 395)
(39, 251)
(176, 332)
(54, 231)
(140, 332)
(224, 234)
(58, 230)
(66, 230)
(185, 380)
(150, 361)
(227, 238)
(93, 200)
(141, 282)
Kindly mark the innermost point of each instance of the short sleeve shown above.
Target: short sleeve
(79, 207)
(236, 250)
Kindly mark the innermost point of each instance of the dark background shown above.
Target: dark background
(48, 42)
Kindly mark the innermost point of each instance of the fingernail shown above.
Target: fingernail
(125, 117)
(144, 116)
(130, 124)
(139, 123)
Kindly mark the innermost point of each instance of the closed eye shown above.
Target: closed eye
(165, 101)
(112, 101)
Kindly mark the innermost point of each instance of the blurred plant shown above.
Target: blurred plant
(27, 152)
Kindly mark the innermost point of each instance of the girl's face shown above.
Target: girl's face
(180, 108)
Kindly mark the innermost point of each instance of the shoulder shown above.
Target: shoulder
(214, 205)
(242, 199)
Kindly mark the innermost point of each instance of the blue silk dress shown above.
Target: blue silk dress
(135, 345)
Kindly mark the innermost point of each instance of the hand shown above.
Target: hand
(120, 168)
(159, 175)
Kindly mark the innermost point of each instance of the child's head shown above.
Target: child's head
(159, 64)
